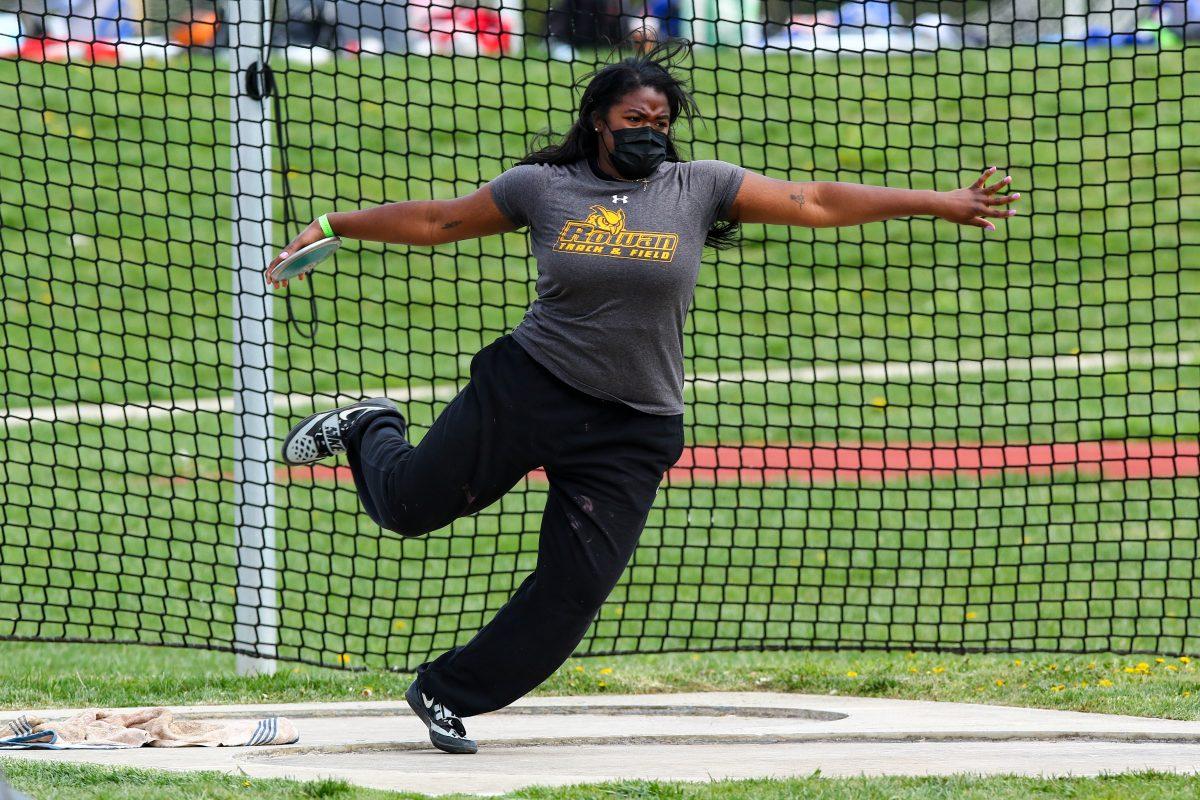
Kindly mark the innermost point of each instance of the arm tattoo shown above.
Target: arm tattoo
(453, 224)
(798, 198)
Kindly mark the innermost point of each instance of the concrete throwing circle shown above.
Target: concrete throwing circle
(558, 741)
(693, 737)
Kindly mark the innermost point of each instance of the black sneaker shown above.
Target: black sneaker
(446, 730)
(323, 434)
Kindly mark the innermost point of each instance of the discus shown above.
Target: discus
(303, 260)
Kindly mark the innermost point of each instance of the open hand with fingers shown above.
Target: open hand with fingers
(977, 203)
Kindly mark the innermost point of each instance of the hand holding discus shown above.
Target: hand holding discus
(314, 244)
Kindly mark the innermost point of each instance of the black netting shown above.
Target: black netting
(903, 435)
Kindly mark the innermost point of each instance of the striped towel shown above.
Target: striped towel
(97, 729)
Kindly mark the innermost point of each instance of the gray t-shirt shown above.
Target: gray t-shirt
(617, 267)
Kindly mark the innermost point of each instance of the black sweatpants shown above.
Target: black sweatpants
(604, 461)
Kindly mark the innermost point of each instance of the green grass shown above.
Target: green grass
(86, 782)
(52, 675)
(39, 675)
(115, 236)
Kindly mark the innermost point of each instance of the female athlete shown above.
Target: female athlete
(589, 385)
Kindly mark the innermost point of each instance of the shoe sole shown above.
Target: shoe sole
(312, 421)
(447, 744)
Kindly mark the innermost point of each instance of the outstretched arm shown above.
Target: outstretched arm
(825, 205)
(415, 222)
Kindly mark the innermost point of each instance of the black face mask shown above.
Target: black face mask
(638, 151)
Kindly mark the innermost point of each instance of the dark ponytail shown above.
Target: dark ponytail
(653, 69)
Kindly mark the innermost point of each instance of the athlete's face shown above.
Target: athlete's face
(644, 107)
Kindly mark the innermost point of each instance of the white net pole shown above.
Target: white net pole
(256, 616)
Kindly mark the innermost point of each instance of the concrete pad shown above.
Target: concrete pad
(703, 736)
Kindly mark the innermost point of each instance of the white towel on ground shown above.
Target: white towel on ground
(143, 727)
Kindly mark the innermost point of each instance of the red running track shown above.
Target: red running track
(875, 463)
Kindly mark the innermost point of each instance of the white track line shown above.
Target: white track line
(867, 372)
(934, 371)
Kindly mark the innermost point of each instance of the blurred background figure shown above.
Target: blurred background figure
(574, 24)
(315, 31)
(1183, 18)
(464, 28)
(308, 33)
(807, 32)
(650, 21)
(372, 26)
(854, 25)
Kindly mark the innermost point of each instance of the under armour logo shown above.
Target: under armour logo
(620, 198)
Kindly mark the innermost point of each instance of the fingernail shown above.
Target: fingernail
(284, 254)
(1017, 196)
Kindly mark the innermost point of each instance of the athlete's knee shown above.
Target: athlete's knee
(409, 529)
(407, 521)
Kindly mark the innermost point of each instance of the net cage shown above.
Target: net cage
(904, 435)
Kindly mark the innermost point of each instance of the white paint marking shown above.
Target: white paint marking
(954, 371)
(866, 372)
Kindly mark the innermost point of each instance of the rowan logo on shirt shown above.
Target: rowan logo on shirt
(603, 234)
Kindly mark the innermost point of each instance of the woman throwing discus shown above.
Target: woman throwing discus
(589, 385)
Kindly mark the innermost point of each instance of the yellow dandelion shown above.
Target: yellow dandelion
(879, 402)
(1172, 668)
(1187, 694)
(1184, 660)
(999, 681)
(913, 670)
(938, 670)
(1142, 666)
(399, 625)
(579, 668)
(245, 783)
(1017, 663)
(1053, 667)
(851, 674)
(344, 659)
(606, 671)
(1105, 682)
(1091, 665)
(1083, 684)
(1160, 661)
(1058, 687)
(1074, 351)
(601, 684)
(971, 615)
